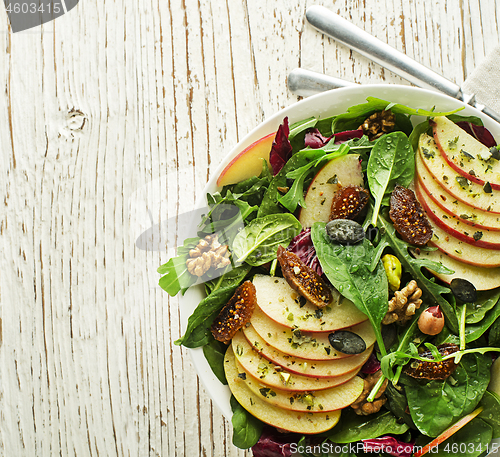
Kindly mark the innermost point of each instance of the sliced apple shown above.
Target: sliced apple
(470, 214)
(307, 345)
(482, 278)
(307, 367)
(247, 163)
(454, 183)
(286, 307)
(455, 226)
(292, 421)
(276, 376)
(465, 154)
(462, 251)
(325, 400)
(494, 385)
(342, 171)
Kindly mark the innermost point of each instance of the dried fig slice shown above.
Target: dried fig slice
(408, 217)
(236, 314)
(349, 202)
(304, 279)
(433, 370)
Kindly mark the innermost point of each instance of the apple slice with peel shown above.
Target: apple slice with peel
(292, 421)
(248, 162)
(285, 306)
(457, 185)
(455, 226)
(331, 399)
(472, 215)
(465, 154)
(277, 377)
(462, 251)
(338, 172)
(306, 367)
(482, 278)
(447, 433)
(307, 345)
(494, 385)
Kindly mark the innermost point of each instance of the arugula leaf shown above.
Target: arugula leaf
(246, 428)
(390, 163)
(270, 203)
(356, 114)
(258, 242)
(198, 328)
(176, 276)
(434, 293)
(214, 352)
(435, 405)
(347, 269)
(354, 428)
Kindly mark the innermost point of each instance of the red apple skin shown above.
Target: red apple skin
(489, 240)
(449, 204)
(473, 195)
(248, 162)
(445, 130)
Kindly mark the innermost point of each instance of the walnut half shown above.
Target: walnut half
(208, 253)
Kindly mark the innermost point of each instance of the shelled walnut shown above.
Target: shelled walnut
(208, 253)
(404, 304)
(378, 124)
(361, 406)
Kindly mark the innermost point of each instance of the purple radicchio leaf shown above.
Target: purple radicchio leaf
(281, 149)
(388, 445)
(480, 133)
(315, 140)
(372, 365)
(273, 444)
(302, 245)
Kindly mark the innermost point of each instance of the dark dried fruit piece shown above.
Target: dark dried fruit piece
(433, 370)
(304, 279)
(236, 313)
(408, 217)
(349, 203)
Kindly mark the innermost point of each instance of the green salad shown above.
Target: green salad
(353, 285)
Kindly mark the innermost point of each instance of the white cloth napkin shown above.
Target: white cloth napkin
(484, 81)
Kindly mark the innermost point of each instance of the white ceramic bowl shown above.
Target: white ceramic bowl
(322, 105)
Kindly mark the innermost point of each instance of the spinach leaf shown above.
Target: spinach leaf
(347, 269)
(397, 403)
(423, 127)
(434, 293)
(390, 163)
(176, 276)
(494, 334)
(486, 301)
(258, 242)
(470, 441)
(354, 428)
(475, 331)
(246, 428)
(435, 405)
(491, 412)
(214, 352)
(198, 328)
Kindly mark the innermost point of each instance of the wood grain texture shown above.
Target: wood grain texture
(114, 117)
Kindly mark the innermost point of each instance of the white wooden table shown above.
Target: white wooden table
(123, 107)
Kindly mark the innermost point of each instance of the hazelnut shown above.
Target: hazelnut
(431, 321)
